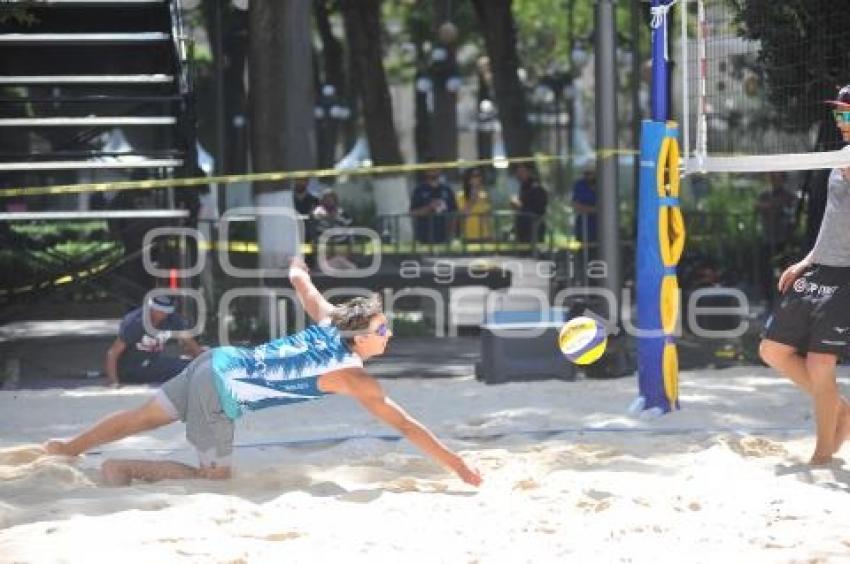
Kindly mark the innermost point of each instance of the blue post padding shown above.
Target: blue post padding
(650, 272)
(660, 102)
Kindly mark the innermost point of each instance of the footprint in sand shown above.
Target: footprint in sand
(402, 485)
(594, 506)
(284, 536)
(527, 484)
(596, 500)
(478, 420)
(598, 495)
(755, 447)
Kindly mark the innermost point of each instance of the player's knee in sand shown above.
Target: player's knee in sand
(114, 474)
(215, 473)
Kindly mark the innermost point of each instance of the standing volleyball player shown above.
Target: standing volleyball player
(223, 383)
(810, 327)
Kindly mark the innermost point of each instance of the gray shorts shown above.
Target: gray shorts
(191, 396)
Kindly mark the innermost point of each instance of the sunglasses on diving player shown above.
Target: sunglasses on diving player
(382, 330)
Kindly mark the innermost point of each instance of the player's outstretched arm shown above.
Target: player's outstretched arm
(316, 306)
(370, 394)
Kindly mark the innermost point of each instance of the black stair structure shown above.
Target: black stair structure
(90, 91)
(75, 72)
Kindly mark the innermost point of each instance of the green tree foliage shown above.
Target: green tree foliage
(410, 34)
(804, 49)
(14, 13)
(543, 31)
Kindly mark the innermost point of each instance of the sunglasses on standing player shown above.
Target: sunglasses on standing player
(841, 116)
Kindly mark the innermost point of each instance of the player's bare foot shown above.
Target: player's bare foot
(57, 447)
(819, 459)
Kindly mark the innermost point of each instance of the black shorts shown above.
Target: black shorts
(814, 314)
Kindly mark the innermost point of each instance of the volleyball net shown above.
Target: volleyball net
(753, 79)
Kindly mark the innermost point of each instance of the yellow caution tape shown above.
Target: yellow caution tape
(280, 175)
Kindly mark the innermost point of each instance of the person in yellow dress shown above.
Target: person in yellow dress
(474, 205)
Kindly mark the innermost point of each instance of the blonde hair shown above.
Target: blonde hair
(353, 317)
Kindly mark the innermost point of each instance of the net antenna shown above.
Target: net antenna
(752, 96)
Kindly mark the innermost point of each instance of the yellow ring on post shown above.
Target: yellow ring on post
(661, 167)
(669, 303)
(677, 235)
(671, 234)
(672, 164)
(670, 366)
(675, 178)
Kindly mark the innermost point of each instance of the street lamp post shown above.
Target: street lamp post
(553, 89)
(486, 124)
(330, 111)
(437, 84)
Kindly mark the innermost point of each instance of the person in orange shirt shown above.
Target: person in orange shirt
(474, 204)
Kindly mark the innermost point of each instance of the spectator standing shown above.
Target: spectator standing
(304, 201)
(474, 202)
(431, 204)
(530, 204)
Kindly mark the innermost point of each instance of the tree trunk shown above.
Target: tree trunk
(282, 122)
(445, 100)
(497, 23)
(363, 29)
(333, 74)
(235, 95)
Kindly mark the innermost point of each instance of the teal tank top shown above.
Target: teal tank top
(279, 372)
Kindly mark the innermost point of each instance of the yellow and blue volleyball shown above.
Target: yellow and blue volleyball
(582, 340)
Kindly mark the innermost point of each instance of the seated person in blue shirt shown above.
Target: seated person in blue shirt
(221, 385)
(430, 205)
(136, 356)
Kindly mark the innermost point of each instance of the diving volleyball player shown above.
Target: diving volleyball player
(225, 382)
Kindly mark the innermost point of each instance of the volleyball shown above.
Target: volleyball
(582, 340)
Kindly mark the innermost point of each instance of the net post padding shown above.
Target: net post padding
(660, 242)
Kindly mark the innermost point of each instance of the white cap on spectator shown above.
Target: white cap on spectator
(165, 304)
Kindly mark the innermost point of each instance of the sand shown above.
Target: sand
(569, 477)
